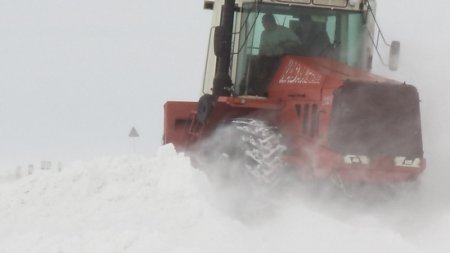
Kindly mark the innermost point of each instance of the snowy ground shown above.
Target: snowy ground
(162, 204)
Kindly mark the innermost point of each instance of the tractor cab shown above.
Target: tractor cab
(338, 30)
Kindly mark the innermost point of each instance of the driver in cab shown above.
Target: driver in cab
(276, 39)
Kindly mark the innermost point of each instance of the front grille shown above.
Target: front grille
(376, 119)
(309, 117)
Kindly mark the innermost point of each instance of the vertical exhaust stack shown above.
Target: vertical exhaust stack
(222, 48)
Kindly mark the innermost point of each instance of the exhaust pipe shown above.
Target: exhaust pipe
(222, 47)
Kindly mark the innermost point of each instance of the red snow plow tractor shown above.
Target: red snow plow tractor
(288, 85)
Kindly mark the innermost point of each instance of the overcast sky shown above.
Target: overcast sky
(75, 76)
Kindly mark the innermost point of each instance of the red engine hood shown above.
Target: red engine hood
(296, 75)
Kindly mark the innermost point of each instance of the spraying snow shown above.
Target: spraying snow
(162, 204)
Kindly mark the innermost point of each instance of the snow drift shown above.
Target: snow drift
(162, 204)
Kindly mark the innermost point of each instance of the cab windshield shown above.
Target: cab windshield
(267, 32)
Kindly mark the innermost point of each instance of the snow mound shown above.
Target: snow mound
(123, 204)
(161, 204)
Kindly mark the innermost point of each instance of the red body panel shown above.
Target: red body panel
(178, 117)
(300, 82)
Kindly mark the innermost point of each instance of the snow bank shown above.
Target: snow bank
(125, 204)
(161, 204)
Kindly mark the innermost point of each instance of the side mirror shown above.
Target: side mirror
(208, 5)
(220, 42)
(394, 55)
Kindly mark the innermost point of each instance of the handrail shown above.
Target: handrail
(255, 5)
(379, 33)
(207, 59)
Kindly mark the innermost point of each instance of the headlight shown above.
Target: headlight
(402, 161)
(353, 3)
(337, 3)
(357, 159)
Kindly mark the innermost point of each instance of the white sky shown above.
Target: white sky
(75, 76)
